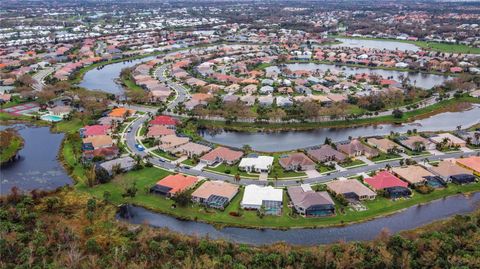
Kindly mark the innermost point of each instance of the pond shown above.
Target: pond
(422, 80)
(410, 218)
(37, 166)
(291, 140)
(375, 44)
(105, 78)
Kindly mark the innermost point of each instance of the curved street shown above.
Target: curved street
(131, 139)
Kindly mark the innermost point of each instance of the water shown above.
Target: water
(104, 79)
(37, 167)
(375, 44)
(410, 218)
(51, 118)
(290, 140)
(422, 80)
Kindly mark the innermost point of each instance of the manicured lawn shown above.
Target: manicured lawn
(385, 156)
(324, 168)
(189, 162)
(165, 155)
(232, 170)
(147, 177)
(352, 163)
(416, 153)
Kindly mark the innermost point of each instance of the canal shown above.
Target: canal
(291, 140)
(410, 218)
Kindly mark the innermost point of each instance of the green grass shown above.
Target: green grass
(352, 163)
(165, 155)
(232, 170)
(442, 47)
(407, 117)
(385, 156)
(15, 144)
(147, 177)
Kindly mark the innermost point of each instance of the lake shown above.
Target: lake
(104, 79)
(37, 166)
(410, 218)
(291, 140)
(422, 80)
(375, 44)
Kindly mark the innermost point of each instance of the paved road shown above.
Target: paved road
(40, 76)
(181, 92)
(135, 125)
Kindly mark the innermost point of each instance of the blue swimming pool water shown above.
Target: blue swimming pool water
(51, 118)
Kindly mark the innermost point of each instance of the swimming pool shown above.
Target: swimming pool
(51, 118)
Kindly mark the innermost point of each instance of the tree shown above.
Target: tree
(183, 198)
(397, 113)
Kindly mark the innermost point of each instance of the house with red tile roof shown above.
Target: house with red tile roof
(164, 120)
(221, 155)
(174, 184)
(93, 130)
(385, 179)
(159, 131)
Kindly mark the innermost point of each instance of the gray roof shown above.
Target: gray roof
(306, 199)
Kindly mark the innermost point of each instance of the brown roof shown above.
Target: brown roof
(219, 188)
(99, 141)
(326, 153)
(448, 168)
(306, 199)
(382, 143)
(159, 130)
(350, 185)
(226, 154)
(413, 174)
(295, 159)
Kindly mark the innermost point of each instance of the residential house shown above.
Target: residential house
(258, 164)
(296, 162)
(94, 130)
(96, 142)
(384, 145)
(171, 185)
(123, 163)
(413, 174)
(326, 153)
(167, 121)
(265, 198)
(156, 131)
(416, 143)
(355, 148)
(351, 189)
(446, 169)
(451, 140)
(221, 155)
(471, 163)
(171, 142)
(192, 149)
(383, 180)
(215, 194)
(309, 203)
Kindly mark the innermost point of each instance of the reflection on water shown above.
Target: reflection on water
(283, 141)
(408, 219)
(37, 167)
(104, 79)
(375, 44)
(422, 80)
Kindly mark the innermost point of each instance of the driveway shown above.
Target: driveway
(263, 177)
(199, 166)
(312, 173)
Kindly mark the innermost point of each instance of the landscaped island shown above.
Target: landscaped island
(10, 144)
